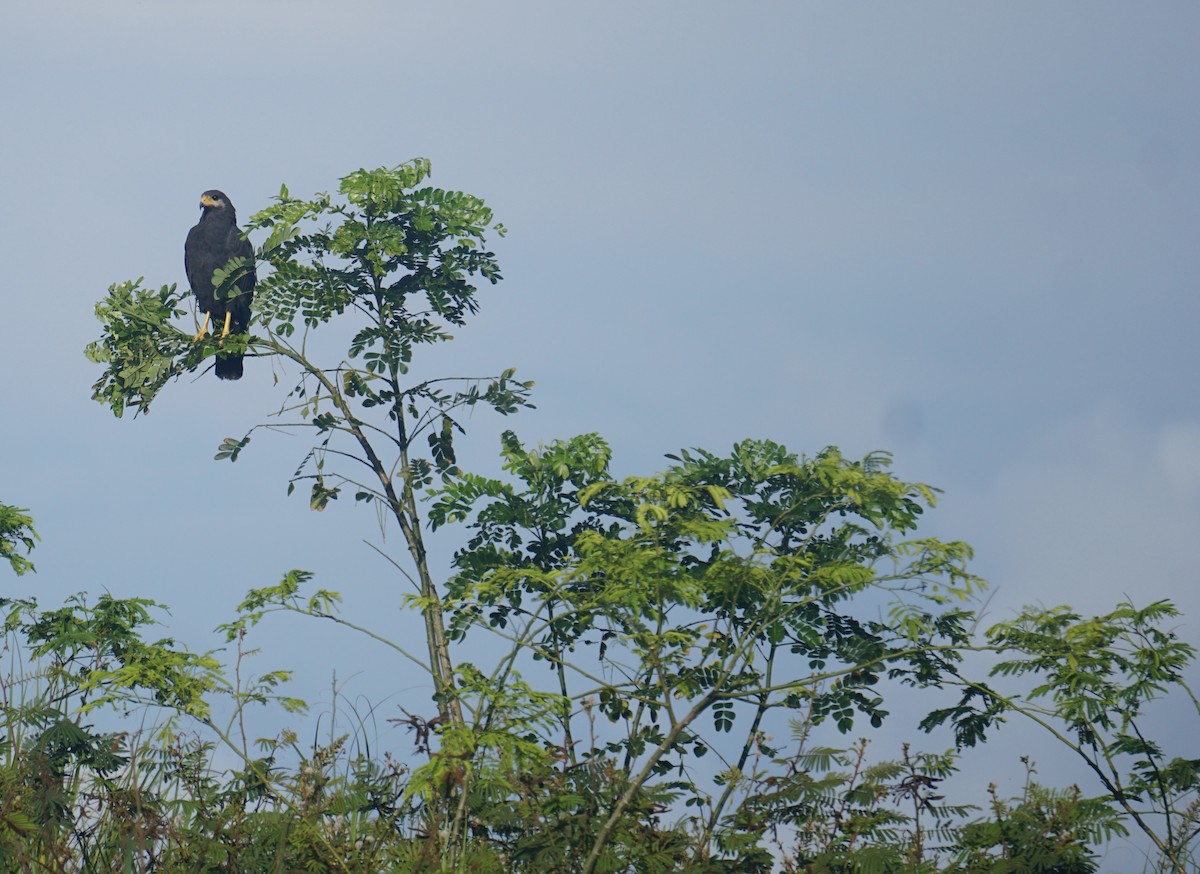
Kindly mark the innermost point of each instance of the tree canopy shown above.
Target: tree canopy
(642, 673)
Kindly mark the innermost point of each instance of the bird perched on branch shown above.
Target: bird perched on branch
(211, 244)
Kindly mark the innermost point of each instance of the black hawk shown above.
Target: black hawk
(210, 245)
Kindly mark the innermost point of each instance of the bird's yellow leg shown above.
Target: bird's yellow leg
(225, 331)
(203, 329)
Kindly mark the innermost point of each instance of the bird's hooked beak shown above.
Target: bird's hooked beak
(206, 202)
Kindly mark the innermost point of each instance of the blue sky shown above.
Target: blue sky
(966, 233)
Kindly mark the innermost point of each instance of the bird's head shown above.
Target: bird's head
(213, 199)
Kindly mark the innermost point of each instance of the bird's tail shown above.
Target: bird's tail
(229, 367)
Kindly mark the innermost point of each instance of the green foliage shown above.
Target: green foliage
(404, 254)
(661, 601)
(403, 259)
(395, 263)
(56, 769)
(1046, 830)
(141, 349)
(1099, 672)
(647, 631)
(842, 813)
(331, 812)
(96, 656)
(1094, 679)
(77, 798)
(699, 571)
(557, 811)
(17, 535)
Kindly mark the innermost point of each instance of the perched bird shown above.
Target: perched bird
(210, 245)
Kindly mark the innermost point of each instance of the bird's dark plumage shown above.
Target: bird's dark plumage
(210, 245)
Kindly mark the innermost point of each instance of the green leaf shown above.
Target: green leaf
(17, 535)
